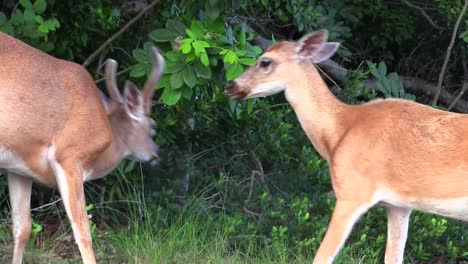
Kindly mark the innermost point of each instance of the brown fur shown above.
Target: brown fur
(55, 130)
(393, 151)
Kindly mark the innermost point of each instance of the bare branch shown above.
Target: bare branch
(116, 35)
(423, 12)
(447, 56)
(462, 91)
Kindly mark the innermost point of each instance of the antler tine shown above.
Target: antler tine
(111, 82)
(156, 72)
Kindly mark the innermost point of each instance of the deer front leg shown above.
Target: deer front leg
(345, 214)
(70, 184)
(398, 218)
(20, 199)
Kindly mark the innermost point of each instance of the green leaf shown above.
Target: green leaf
(177, 26)
(215, 25)
(40, 6)
(26, 4)
(139, 70)
(51, 24)
(29, 15)
(187, 93)
(89, 207)
(382, 68)
(242, 34)
(394, 84)
(373, 69)
(202, 71)
(247, 61)
(200, 45)
(257, 50)
(380, 87)
(172, 56)
(164, 82)
(190, 57)
(141, 55)
(55, 22)
(234, 71)
(177, 80)
(204, 59)
(197, 28)
(174, 66)
(171, 96)
(186, 46)
(39, 19)
(162, 35)
(17, 18)
(43, 28)
(8, 29)
(240, 53)
(230, 57)
(3, 19)
(189, 76)
(191, 34)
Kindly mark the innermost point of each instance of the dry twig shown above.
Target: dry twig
(116, 35)
(447, 56)
(462, 91)
(423, 12)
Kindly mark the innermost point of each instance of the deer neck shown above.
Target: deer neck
(109, 158)
(318, 111)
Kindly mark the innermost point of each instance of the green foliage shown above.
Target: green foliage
(28, 23)
(199, 50)
(309, 15)
(389, 85)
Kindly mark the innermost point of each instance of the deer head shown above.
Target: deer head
(281, 65)
(129, 114)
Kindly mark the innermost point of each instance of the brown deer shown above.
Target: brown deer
(399, 153)
(56, 129)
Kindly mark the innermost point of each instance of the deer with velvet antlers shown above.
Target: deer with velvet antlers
(398, 153)
(57, 129)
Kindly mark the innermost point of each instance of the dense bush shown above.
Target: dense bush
(246, 164)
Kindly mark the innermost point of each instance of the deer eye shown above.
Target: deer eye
(265, 63)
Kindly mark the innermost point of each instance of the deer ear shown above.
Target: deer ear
(315, 47)
(133, 101)
(327, 51)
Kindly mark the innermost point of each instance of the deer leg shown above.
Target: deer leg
(345, 214)
(70, 184)
(398, 218)
(20, 199)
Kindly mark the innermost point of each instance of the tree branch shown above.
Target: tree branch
(462, 91)
(423, 12)
(116, 35)
(447, 56)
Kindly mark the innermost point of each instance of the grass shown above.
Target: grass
(192, 237)
(195, 234)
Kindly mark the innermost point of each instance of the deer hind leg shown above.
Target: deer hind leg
(70, 184)
(398, 218)
(20, 199)
(345, 214)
